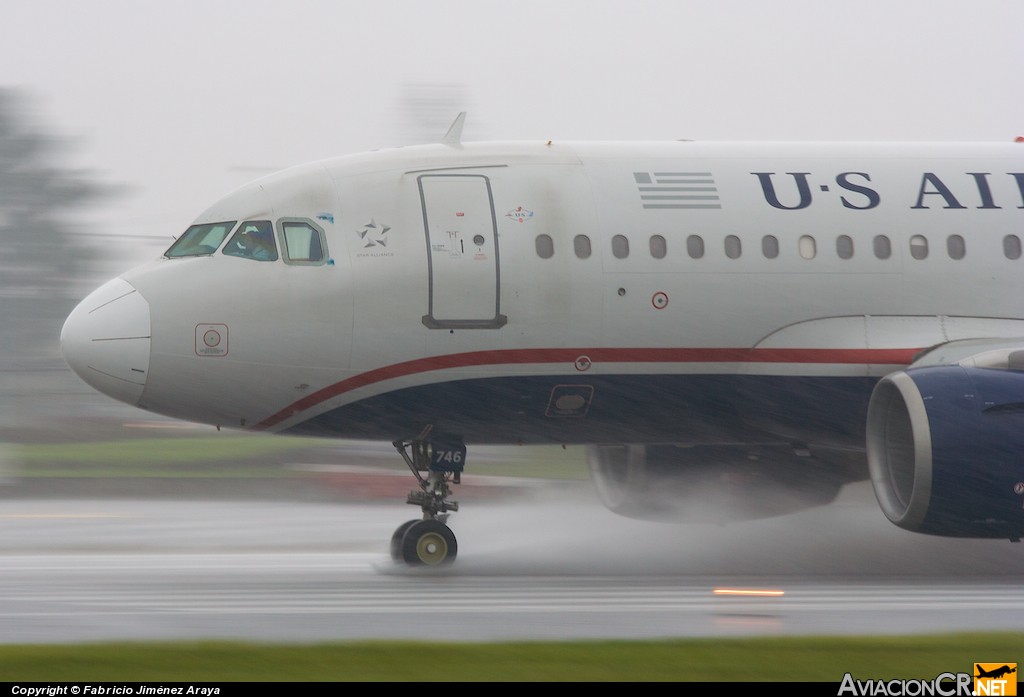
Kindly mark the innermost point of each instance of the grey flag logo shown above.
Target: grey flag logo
(677, 189)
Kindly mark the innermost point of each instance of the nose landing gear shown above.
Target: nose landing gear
(429, 541)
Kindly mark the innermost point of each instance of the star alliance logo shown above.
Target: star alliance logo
(374, 235)
(375, 240)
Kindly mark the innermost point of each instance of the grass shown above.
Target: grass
(246, 455)
(141, 452)
(777, 659)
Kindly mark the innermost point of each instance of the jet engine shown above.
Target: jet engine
(717, 483)
(945, 449)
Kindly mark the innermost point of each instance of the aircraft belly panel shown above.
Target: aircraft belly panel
(606, 408)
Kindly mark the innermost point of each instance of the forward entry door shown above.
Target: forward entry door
(462, 252)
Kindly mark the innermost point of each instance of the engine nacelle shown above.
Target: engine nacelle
(945, 449)
(714, 484)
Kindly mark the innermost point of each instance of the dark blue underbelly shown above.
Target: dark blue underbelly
(613, 409)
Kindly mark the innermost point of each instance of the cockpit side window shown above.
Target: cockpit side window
(303, 243)
(254, 239)
(200, 240)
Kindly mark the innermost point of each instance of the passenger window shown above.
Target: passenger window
(199, 240)
(1011, 247)
(254, 239)
(695, 246)
(883, 247)
(303, 242)
(808, 247)
(956, 247)
(844, 246)
(919, 247)
(581, 245)
(733, 247)
(770, 246)
(620, 246)
(545, 246)
(658, 247)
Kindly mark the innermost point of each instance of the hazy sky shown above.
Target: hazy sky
(184, 101)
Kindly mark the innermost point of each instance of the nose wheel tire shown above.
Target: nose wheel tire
(424, 542)
(396, 539)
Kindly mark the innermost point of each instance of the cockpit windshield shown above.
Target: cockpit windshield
(200, 240)
(253, 240)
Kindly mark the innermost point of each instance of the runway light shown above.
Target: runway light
(749, 592)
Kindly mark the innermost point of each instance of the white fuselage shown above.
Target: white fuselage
(532, 286)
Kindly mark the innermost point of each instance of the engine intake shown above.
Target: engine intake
(945, 448)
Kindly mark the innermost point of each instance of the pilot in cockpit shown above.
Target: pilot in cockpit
(253, 240)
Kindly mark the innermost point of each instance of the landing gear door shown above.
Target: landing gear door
(462, 252)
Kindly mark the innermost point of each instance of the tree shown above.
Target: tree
(42, 261)
(40, 257)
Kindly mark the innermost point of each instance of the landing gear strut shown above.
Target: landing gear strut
(429, 540)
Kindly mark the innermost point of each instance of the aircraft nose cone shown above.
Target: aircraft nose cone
(106, 339)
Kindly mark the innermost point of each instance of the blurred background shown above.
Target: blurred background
(121, 121)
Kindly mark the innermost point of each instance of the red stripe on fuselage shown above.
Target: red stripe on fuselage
(597, 355)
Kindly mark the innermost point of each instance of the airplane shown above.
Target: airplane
(996, 673)
(733, 330)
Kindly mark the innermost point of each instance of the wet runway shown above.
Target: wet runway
(554, 565)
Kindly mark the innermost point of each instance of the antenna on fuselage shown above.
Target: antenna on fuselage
(454, 135)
